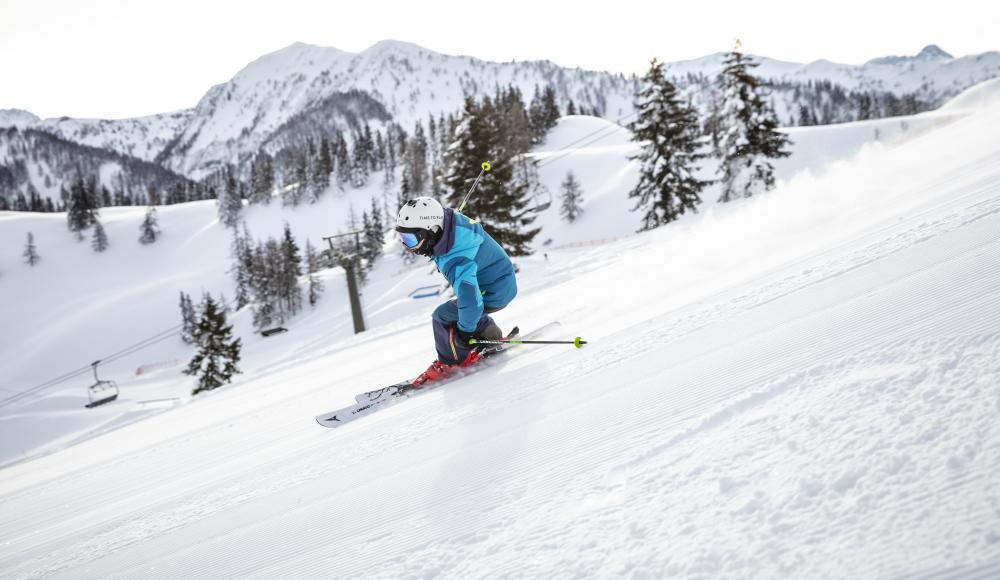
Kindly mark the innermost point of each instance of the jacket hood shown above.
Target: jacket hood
(444, 245)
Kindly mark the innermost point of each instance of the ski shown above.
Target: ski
(379, 394)
(371, 401)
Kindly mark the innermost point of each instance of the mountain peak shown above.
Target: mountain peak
(17, 118)
(930, 52)
(933, 52)
(389, 45)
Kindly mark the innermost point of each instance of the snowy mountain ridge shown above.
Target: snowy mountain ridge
(933, 73)
(235, 118)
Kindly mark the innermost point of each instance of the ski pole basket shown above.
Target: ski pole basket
(100, 392)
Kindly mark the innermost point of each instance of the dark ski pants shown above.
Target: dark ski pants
(446, 325)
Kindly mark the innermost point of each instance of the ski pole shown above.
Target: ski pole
(485, 167)
(577, 342)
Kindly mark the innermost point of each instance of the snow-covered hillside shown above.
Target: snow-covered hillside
(803, 384)
(49, 164)
(141, 137)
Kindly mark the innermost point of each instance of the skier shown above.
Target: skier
(478, 270)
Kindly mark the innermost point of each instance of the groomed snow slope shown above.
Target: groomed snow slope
(804, 384)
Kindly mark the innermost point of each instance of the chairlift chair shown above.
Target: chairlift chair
(101, 392)
(542, 198)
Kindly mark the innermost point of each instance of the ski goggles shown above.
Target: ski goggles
(409, 239)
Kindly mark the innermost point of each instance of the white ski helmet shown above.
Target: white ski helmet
(424, 213)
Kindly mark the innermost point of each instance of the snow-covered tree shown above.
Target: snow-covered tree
(291, 269)
(81, 211)
(312, 267)
(242, 261)
(749, 130)
(571, 198)
(100, 240)
(342, 159)
(230, 199)
(543, 112)
(30, 251)
(373, 234)
(218, 353)
(189, 320)
(261, 178)
(322, 168)
(668, 130)
(301, 179)
(150, 228)
(415, 162)
(501, 199)
(262, 286)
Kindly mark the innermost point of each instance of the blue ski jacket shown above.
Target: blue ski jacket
(476, 267)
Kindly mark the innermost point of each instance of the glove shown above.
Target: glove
(462, 338)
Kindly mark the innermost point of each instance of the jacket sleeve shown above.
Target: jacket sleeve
(462, 273)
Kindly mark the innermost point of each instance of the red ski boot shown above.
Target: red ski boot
(439, 370)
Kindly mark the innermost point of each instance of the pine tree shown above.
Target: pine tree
(543, 112)
(312, 267)
(550, 109)
(500, 202)
(30, 252)
(892, 105)
(291, 268)
(189, 320)
(35, 202)
(322, 168)
(261, 277)
(750, 135)
(261, 178)
(373, 236)
(230, 201)
(300, 179)
(80, 213)
(150, 228)
(713, 124)
(864, 107)
(240, 268)
(368, 148)
(415, 162)
(100, 240)
(342, 158)
(571, 198)
(218, 353)
(806, 116)
(381, 159)
(359, 162)
(668, 130)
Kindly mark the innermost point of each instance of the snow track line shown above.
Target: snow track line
(985, 571)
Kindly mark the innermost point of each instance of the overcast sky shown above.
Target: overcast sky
(121, 58)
